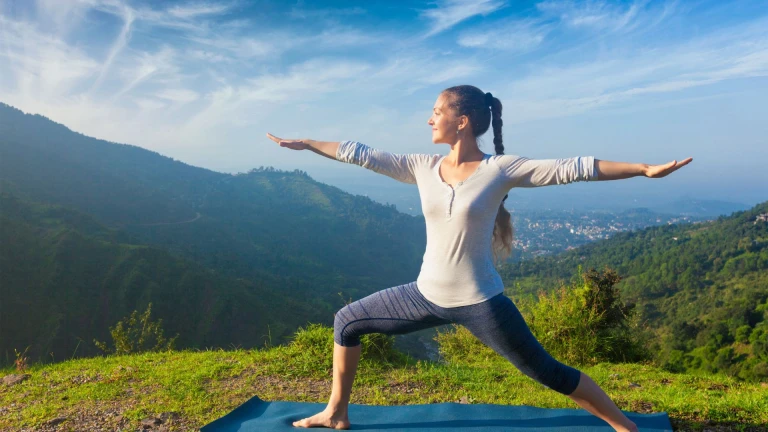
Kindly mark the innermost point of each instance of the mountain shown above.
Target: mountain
(702, 287)
(281, 231)
(689, 206)
(67, 278)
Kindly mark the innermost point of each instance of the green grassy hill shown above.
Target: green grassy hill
(191, 388)
(702, 288)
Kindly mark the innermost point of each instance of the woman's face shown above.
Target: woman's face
(443, 123)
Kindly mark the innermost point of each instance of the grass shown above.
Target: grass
(201, 386)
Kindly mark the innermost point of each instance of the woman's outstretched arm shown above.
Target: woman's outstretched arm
(607, 170)
(323, 148)
(401, 167)
(521, 171)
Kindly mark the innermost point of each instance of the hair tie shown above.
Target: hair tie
(489, 99)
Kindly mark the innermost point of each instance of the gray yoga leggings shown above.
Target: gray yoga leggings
(496, 322)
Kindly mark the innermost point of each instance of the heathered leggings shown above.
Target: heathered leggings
(496, 322)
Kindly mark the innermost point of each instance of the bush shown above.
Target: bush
(587, 323)
(459, 345)
(316, 341)
(138, 336)
(582, 324)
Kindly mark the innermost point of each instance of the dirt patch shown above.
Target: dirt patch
(407, 387)
(717, 387)
(640, 406)
(685, 426)
(109, 416)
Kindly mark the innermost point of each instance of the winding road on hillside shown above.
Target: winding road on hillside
(172, 223)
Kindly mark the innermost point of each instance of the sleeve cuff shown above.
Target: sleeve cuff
(346, 151)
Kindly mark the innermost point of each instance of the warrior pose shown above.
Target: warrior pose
(468, 232)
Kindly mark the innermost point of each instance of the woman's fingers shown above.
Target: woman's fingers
(675, 165)
(273, 138)
(280, 141)
(658, 171)
(291, 144)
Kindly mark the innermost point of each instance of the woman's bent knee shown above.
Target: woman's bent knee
(557, 376)
(343, 334)
(568, 379)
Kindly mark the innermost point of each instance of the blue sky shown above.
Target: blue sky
(204, 81)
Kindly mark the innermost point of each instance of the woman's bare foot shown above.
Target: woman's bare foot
(326, 419)
(631, 428)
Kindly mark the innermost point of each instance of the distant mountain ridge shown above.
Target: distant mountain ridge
(688, 205)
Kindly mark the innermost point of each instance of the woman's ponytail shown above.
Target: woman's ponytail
(503, 230)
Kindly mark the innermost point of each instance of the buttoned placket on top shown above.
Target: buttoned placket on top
(452, 193)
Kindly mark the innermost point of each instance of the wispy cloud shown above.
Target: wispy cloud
(302, 82)
(148, 104)
(595, 14)
(409, 72)
(61, 17)
(195, 10)
(178, 95)
(554, 91)
(244, 47)
(448, 13)
(312, 77)
(127, 15)
(513, 36)
(300, 12)
(40, 65)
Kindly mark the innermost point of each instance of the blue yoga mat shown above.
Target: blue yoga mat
(259, 415)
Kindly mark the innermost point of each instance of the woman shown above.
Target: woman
(468, 231)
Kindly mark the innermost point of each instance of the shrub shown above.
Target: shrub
(138, 336)
(316, 340)
(587, 323)
(459, 345)
(581, 324)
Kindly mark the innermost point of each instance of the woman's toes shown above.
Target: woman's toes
(321, 419)
(306, 422)
(315, 420)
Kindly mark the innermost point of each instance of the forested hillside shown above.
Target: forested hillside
(66, 279)
(243, 223)
(702, 287)
(268, 232)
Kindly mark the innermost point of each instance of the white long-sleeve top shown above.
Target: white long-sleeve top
(457, 269)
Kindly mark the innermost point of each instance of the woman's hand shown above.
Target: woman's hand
(608, 170)
(658, 171)
(300, 144)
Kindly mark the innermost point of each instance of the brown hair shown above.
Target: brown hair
(472, 102)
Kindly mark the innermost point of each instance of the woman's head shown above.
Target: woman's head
(464, 111)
